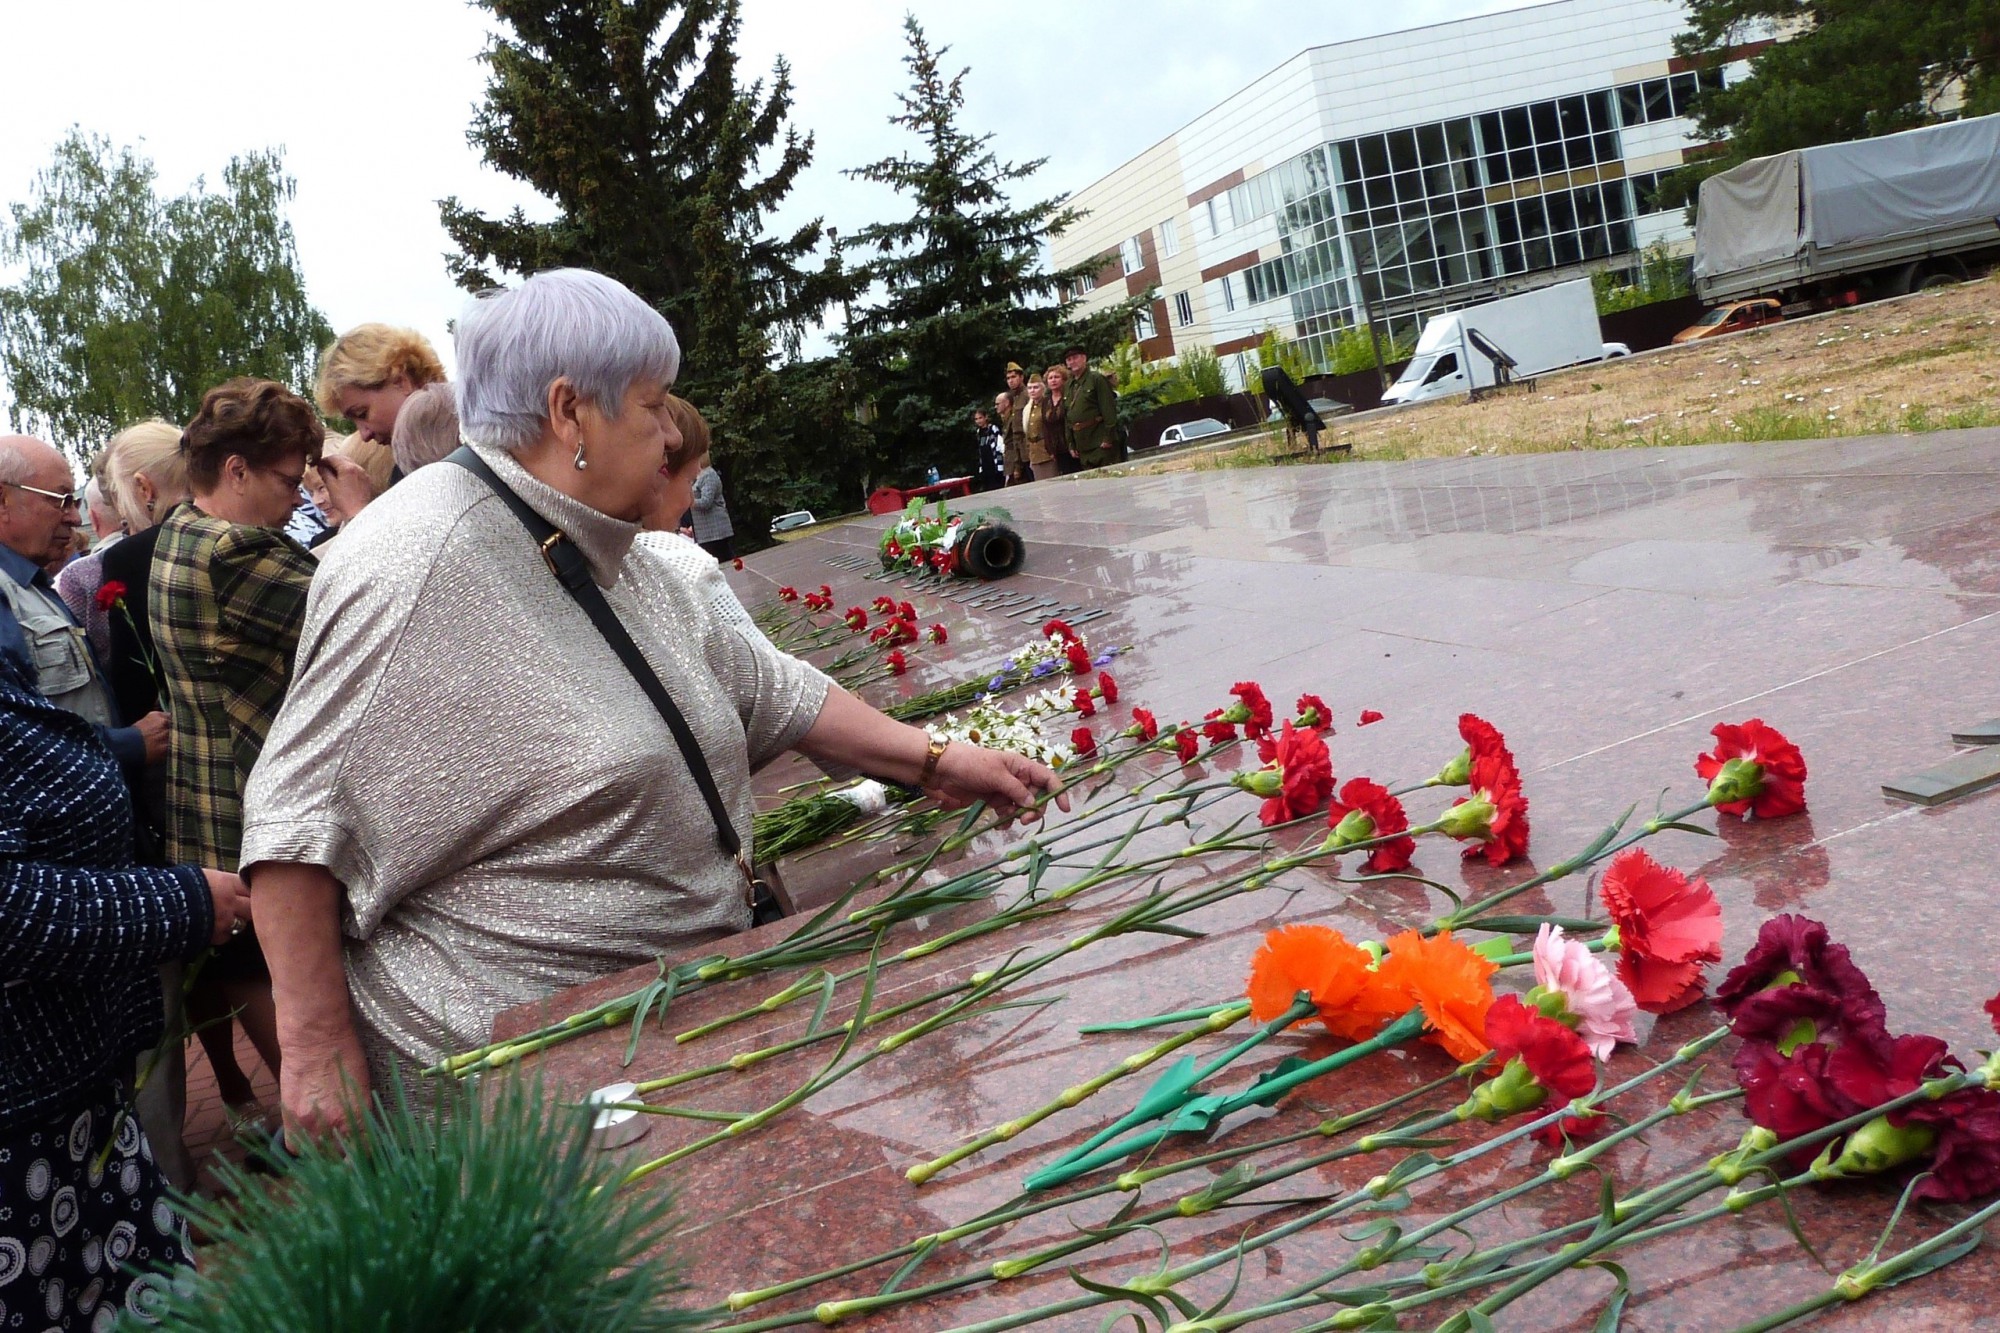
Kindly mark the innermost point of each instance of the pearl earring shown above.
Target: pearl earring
(580, 462)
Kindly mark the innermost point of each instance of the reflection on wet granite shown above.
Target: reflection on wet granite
(1605, 610)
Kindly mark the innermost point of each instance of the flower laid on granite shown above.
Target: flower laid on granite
(1574, 986)
(737, 562)
(1216, 728)
(1107, 687)
(788, 594)
(1539, 1057)
(1299, 777)
(1495, 817)
(1753, 770)
(1348, 996)
(1251, 711)
(1083, 743)
(1078, 657)
(1369, 717)
(1058, 629)
(1449, 982)
(1796, 983)
(1145, 726)
(856, 619)
(896, 662)
(1085, 705)
(1365, 810)
(883, 605)
(938, 634)
(1312, 711)
(1185, 744)
(1669, 928)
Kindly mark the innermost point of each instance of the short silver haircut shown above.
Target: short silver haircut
(15, 468)
(567, 323)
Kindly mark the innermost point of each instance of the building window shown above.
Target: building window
(1143, 327)
(1183, 309)
(1214, 222)
(1229, 292)
(1663, 99)
(1131, 255)
(1170, 239)
(1086, 282)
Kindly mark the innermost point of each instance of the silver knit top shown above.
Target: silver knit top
(506, 812)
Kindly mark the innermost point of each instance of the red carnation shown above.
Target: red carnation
(1796, 979)
(856, 618)
(938, 634)
(1085, 706)
(1572, 1129)
(788, 594)
(906, 611)
(916, 554)
(1218, 729)
(1079, 657)
(1965, 1163)
(1058, 627)
(1816, 1085)
(1313, 712)
(1498, 818)
(1669, 927)
(894, 549)
(1185, 744)
(1107, 687)
(903, 630)
(884, 606)
(881, 632)
(1300, 779)
(1370, 717)
(897, 665)
(1992, 1005)
(1083, 742)
(1146, 727)
(109, 594)
(1754, 769)
(738, 562)
(1555, 1055)
(1252, 709)
(1363, 800)
(826, 592)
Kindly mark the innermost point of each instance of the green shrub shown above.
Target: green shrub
(496, 1215)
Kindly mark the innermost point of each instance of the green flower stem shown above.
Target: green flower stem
(1159, 1020)
(1024, 1206)
(1606, 845)
(1636, 1212)
(1864, 1278)
(1072, 1096)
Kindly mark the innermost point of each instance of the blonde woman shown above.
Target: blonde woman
(370, 371)
(148, 477)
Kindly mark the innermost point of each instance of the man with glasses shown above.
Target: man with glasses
(40, 510)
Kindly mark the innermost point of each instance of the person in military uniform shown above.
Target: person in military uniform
(1093, 413)
(1011, 429)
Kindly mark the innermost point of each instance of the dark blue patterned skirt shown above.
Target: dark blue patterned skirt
(79, 1244)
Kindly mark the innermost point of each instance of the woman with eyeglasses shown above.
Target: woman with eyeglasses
(227, 600)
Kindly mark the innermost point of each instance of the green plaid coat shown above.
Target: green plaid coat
(226, 604)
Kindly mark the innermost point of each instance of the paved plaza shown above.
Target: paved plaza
(1605, 610)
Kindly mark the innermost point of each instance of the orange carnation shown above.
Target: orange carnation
(1450, 982)
(1320, 961)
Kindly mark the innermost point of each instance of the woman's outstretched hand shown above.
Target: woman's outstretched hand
(1009, 783)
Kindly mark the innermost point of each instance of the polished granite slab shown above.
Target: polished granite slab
(1605, 609)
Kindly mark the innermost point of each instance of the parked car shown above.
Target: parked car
(1199, 428)
(1731, 318)
(798, 518)
(1329, 408)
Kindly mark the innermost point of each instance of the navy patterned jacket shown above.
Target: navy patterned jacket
(82, 929)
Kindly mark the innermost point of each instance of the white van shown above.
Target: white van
(1544, 329)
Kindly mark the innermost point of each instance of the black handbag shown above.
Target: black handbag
(572, 571)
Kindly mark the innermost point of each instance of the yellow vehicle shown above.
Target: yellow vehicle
(1732, 318)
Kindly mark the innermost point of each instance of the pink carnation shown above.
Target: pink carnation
(1599, 1000)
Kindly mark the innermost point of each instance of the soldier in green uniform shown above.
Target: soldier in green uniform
(1011, 429)
(1093, 413)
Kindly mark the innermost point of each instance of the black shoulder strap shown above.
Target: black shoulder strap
(572, 571)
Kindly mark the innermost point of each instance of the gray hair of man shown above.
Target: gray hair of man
(567, 323)
(15, 465)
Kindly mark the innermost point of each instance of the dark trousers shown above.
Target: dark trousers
(722, 548)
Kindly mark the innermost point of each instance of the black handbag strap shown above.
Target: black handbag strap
(572, 571)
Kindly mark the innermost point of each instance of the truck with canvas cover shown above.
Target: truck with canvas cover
(1465, 351)
(1832, 225)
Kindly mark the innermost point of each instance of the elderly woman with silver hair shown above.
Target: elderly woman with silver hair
(470, 799)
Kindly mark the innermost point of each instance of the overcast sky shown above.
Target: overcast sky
(370, 100)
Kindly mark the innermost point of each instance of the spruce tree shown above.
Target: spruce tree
(1842, 71)
(958, 287)
(630, 116)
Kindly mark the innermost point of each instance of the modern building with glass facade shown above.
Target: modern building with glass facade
(1399, 176)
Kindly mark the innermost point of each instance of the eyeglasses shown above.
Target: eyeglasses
(63, 499)
(293, 480)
